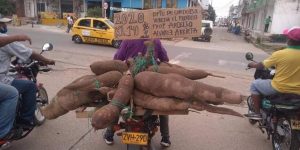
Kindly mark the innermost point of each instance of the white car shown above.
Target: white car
(206, 31)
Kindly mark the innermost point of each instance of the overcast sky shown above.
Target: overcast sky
(222, 6)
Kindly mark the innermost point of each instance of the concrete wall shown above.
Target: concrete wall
(30, 8)
(285, 15)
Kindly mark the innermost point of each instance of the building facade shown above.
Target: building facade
(79, 7)
(284, 14)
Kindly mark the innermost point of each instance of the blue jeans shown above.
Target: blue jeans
(8, 103)
(28, 90)
(262, 87)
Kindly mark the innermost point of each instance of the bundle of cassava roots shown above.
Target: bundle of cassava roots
(164, 88)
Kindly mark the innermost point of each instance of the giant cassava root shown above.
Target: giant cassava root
(81, 91)
(169, 104)
(101, 67)
(104, 116)
(53, 110)
(190, 74)
(172, 85)
(90, 82)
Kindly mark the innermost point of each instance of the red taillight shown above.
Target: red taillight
(136, 129)
(117, 128)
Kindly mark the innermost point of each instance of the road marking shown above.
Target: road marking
(177, 58)
(228, 62)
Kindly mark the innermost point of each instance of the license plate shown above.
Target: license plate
(135, 138)
(295, 124)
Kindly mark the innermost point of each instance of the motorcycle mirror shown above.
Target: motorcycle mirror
(47, 47)
(249, 56)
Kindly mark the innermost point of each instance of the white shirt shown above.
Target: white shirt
(6, 53)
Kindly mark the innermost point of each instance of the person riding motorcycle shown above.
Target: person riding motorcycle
(286, 80)
(8, 98)
(25, 87)
(130, 49)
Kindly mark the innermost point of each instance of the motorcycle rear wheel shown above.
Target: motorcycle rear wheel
(43, 100)
(285, 138)
(250, 109)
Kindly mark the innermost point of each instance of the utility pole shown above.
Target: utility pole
(103, 11)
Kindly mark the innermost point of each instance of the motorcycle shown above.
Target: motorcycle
(247, 35)
(29, 71)
(137, 130)
(280, 114)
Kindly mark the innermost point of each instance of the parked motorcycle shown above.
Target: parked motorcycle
(29, 71)
(280, 114)
(247, 35)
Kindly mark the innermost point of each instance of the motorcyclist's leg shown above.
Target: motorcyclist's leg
(164, 126)
(110, 129)
(8, 103)
(256, 102)
(28, 91)
(164, 130)
(258, 88)
(109, 133)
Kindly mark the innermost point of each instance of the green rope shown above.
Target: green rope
(97, 84)
(129, 113)
(117, 103)
(150, 50)
(140, 65)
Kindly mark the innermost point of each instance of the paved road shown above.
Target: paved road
(204, 131)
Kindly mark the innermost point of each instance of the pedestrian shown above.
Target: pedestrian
(267, 23)
(70, 21)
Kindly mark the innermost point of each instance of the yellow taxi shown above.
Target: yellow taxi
(95, 31)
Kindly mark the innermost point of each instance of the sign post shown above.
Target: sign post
(158, 23)
(105, 6)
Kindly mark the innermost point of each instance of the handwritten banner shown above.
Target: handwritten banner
(158, 23)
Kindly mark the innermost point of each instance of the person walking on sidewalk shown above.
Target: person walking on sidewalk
(267, 23)
(70, 21)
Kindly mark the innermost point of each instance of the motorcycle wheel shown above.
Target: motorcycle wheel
(43, 100)
(250, 109)
(284, 138)
(150, 146)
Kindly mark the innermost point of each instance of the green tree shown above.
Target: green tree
(6, 7)
(94, 12)
(211, 13)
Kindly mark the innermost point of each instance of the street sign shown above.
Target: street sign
(105, 5)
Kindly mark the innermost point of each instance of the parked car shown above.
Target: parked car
(95, 31)
(206, 31)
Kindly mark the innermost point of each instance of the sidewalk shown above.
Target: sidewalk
(44, 28)
(221, 41)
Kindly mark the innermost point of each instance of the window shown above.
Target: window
(157, 4)
(171, 3)
(147, 4)
(41, 7)
(117, 4)
(99, 25)
(110, 23)
(85, 23)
